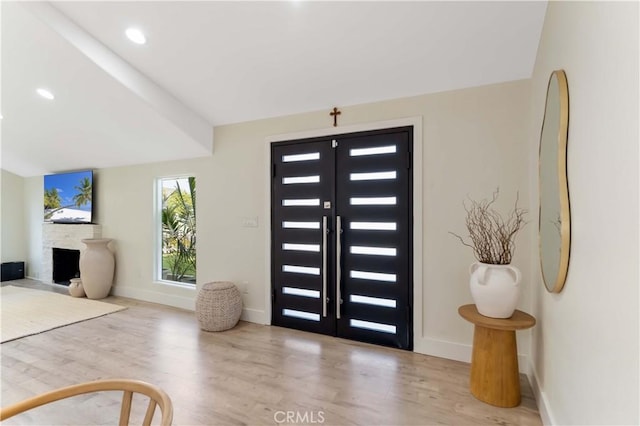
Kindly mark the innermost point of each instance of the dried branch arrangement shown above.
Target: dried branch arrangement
(492, 237)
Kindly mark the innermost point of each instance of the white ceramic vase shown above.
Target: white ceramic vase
(97, 265)
(75, 288)
(495, 289)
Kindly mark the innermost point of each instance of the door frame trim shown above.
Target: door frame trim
(416, 123)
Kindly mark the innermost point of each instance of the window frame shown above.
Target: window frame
(157, 232)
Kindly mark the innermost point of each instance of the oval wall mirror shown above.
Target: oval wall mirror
(554, 218)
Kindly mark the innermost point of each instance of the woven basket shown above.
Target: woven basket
(218, 306)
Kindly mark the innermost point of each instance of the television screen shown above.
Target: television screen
(68, 196)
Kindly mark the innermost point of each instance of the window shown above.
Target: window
(176, 224)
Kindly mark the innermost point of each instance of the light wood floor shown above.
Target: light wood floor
(250, 375)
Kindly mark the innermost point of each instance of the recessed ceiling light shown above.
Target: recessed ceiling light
(136, 36)
(45, 94)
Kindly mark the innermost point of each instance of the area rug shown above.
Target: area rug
(24, 311)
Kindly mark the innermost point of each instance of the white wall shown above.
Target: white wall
(473, 141)
(14, 246)
(33, 214)
(585, 346)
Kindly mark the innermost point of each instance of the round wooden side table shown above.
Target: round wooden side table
(495, 377)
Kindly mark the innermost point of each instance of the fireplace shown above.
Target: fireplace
(65, 265)
(63, 236)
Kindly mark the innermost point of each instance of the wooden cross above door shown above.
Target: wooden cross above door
(335, 113)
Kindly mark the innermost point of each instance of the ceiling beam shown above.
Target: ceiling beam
(191, 123)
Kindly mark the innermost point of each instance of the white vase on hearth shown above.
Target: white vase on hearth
(97, 265)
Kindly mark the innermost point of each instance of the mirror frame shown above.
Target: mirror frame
(563, 185)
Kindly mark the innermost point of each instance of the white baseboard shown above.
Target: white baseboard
(456, 351)
(541, 398)
(155, 297)
(253, 315)
(248, 314)
(442, 349)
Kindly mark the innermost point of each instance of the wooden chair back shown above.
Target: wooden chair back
(157, 397)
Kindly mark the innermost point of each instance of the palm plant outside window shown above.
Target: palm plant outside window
(178, 222)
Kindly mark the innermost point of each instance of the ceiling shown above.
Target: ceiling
(211, 63)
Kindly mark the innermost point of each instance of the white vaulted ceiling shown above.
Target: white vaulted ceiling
(212, 63)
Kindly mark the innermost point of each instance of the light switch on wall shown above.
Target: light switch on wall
(250, 222)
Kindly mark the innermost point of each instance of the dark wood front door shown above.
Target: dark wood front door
(341, 236)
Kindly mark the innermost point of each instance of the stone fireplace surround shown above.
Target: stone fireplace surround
(66, 236)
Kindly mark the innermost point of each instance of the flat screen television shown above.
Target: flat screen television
(68, 197)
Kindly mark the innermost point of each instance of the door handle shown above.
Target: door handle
(324, 267)
(338, 267)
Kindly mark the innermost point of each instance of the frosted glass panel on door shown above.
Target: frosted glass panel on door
(309, 202)
(373, 176)
(366, 300)
(300, 225)
(372, 151)
(294, 291)
(374, 251)
(375, 276)
(301, 314)
(301, 269)
(374, 226)
(373, 201)
(301, 247)
(375, 326)
(300, 179)
(301, 157)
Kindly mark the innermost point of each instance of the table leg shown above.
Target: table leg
(494, 367)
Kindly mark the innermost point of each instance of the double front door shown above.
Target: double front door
(341, 210)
